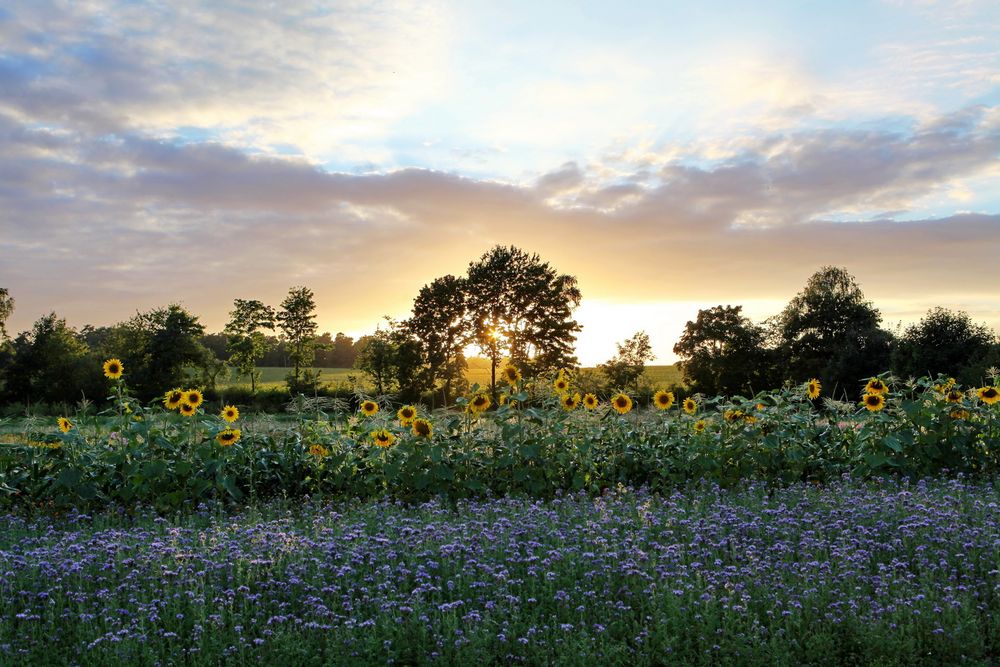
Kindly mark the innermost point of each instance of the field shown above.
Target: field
(851, 573)
(479, 372)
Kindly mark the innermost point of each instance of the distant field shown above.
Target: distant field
(479, 372)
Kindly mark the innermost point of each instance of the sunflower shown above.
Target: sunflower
(479, 403)
(319, 451)
(512, 375)
(383, 438)
(621, 402)
(228, 437)
(733, 415)
(876, 386)
(113, 369)
(813, 388)
(193, 398)
(988, 395)
(561, 385)
(570, 402)
(699, 426)
(65, 425)
(873, 402)
(187, 409)
(959, 414)
(954, 396)
(230, 413)
(943, 388)
(406, 415)
(369, 408)
(590, 401)
(173, 398)
(663, 400)
(750, 419)
(690, 406)
(422, 428)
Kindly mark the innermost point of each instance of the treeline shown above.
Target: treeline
(830, 332)
(516, 309)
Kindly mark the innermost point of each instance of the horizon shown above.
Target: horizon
(671, 157)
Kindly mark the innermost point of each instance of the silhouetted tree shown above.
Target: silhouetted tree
(6, 309)
(343, 353)
(393, 359)
(830, 332)
(51, 363)
(440, 324)
(947, 342)
(246, 342)
(625, 368)
(722, 352)
(297, 320)
(521, 306)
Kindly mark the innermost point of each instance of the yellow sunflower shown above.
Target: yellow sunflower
(561, 385)
(733, 415)
(369, 408)
(406, 415)
(590, 401)
(319, 451)
(959, 414)
(873, 402)
(193, 398)
(228, 437)
(230, 413)
(988, 395)
(690, 406)
(65, 425)
(187, 409)
(813, 388)
(479, 403)
(383, 438)
(621, 403)
(699, 426)
(113, 369)
(570, 402)
(512, 375)
(876, 386)
(663, 399)
(954, 396)
(173, 398)
(422, 428)
(750, 419)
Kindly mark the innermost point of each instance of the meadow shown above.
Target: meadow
(537, 526)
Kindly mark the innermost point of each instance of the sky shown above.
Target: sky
(671, 155)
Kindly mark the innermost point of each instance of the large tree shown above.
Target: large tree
(625, 368)
(723, 352)
(297, 320)
(831, 332)
(158, 348)
(247, 343)
(51, 363)
(440, 324)
(521, 306)
(947, 342)
(392, 358)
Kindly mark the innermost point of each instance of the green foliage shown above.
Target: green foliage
(723, 352)
(157, 347)
(626, 368)
(945, 342)
(6, 309)
(829, 331)
(49, 363)
(440, 325)
(247, 344)
(297, 321)
(528, 444)
(393, 359)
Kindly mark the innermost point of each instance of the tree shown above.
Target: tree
(51, 363)
(392, 358)
(625, 368)
(945, 342)
(247, 344)
(723, 352)
(6, 309)
(521, 306)
(297, 320)
(161, 343)
(830, 332)
(439, 323)
(343, 353)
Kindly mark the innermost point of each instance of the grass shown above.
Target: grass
(861, 573)
(478, 373)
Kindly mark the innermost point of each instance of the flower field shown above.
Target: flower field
(850, 572)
